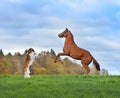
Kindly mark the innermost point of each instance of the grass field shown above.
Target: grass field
(60, 86)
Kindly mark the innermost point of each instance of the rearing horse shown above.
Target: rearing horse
(72, 50)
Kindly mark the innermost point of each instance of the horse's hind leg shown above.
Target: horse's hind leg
(87, 68)
(85, 65)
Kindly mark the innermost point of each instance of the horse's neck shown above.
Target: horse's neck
(69, 40)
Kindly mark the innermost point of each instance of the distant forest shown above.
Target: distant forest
(13, 64)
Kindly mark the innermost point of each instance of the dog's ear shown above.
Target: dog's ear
(30, 50)
(33, 50)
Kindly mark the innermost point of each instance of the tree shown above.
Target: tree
(1, 52)
(25, 52)
(17, 54)
(72, 67)
(13, 64)
(53, 53)
(9, 54)
(53, 68)
(5, 66)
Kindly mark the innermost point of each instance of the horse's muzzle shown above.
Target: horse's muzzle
(60, 35)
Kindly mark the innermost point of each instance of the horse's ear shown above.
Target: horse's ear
(67, 29)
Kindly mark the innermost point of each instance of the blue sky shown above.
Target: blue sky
(95, 25)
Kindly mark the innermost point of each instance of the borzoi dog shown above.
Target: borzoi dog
(30, 57)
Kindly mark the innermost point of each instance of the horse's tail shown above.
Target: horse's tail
(96, 64)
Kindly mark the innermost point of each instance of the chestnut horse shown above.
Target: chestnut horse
(72, 50)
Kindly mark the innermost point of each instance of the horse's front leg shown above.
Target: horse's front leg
(58, 56)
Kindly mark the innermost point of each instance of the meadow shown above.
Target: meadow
(59, 86)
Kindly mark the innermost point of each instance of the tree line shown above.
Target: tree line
(44, 64)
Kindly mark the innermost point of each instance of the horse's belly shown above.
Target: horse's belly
(76, 56)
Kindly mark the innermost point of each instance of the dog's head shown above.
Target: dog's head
(30, 50)
(32, 53)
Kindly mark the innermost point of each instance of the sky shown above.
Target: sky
(95, 25)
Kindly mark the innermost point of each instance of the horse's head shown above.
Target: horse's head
(64, 33)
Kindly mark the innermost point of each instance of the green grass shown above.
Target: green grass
(60, 86)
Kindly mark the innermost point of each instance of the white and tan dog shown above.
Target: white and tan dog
(30, 57)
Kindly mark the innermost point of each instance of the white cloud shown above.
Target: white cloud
(81, 5)
(113, 44)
